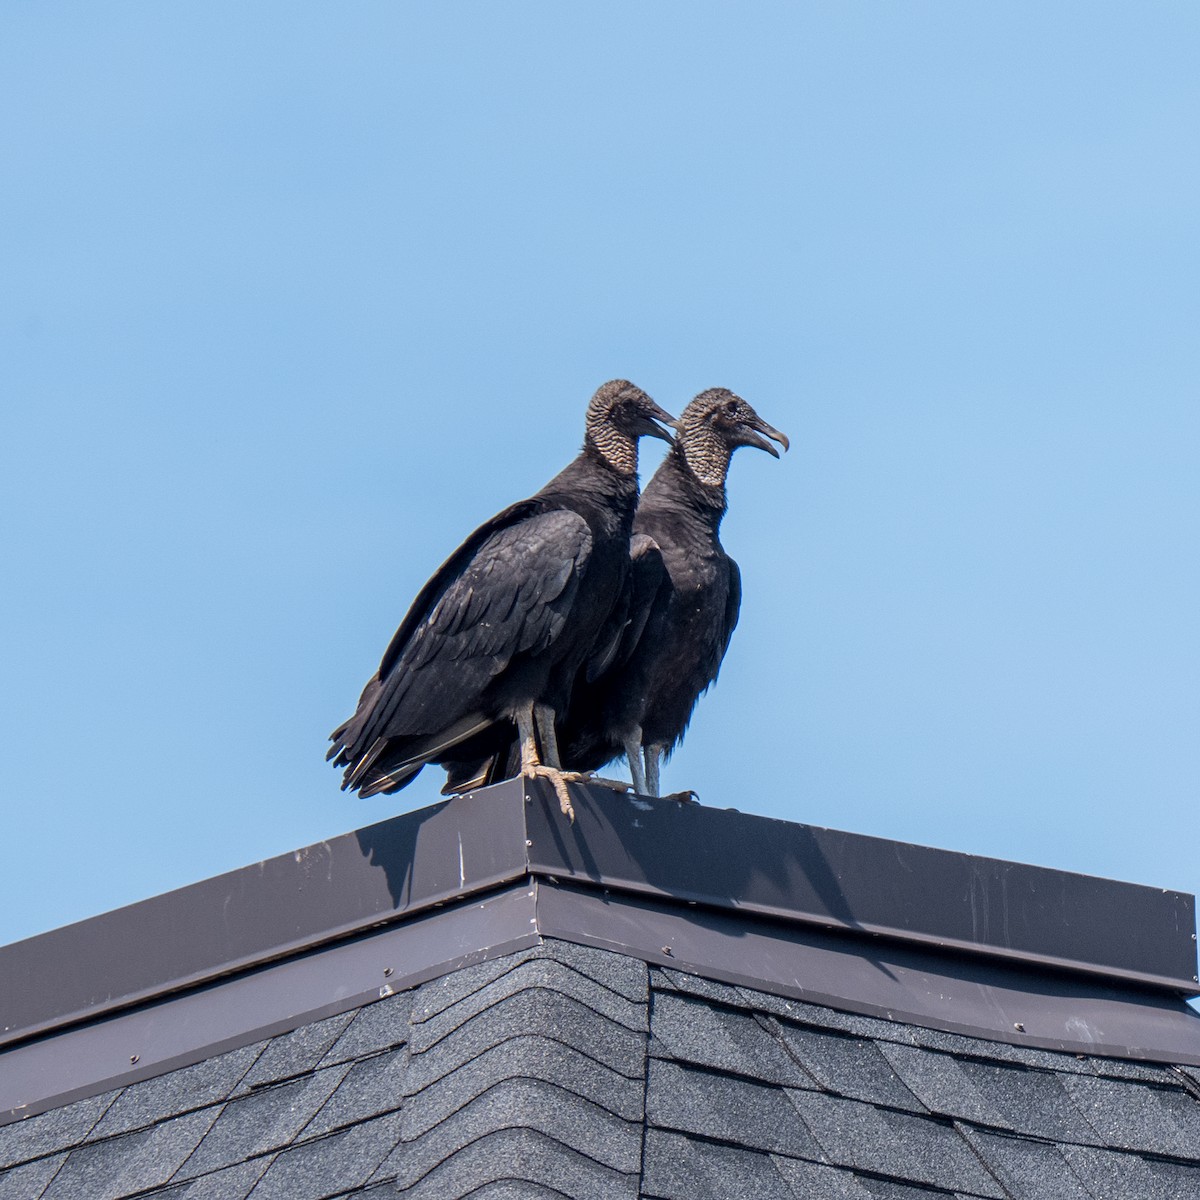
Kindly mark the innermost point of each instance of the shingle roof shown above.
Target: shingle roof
(647, 1069)
(565, 1070)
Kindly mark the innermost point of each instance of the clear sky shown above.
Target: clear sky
(294, 296)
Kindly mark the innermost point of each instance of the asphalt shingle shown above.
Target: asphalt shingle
(682, 1168)
(533, 974)
(691, 1030)
(381, 1025)
(518, 1157)
(521, 1104)
(937, 1080)
(899, 1145)
(268, 1119)
(1113, 1175)
(509, 1189)
(230, 1183)
(442, 993)
(328, 1166)
(1030, 1101)
(51, 1131)
(830, 1183)
(628, 977)
(1029, 1169)
(436, 1050)
(142, 1104)
(295, 1053)
(27, 1182)
(669, 979)
(731, 1110)
(847, 1065)
(131, 1162)
(370, 1088)
(533, 1058)
(1132, 1116)
(1191, 1074)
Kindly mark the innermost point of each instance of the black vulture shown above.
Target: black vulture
(496, 637)
(679, 608)
(646, 704)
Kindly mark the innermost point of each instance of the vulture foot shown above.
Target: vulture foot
(559, 780)
(687, 797)
(616, 785)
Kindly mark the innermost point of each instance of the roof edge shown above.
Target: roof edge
(872, 891)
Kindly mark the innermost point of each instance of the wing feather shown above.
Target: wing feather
(504, 594)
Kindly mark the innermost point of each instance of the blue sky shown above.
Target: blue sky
(295, 296)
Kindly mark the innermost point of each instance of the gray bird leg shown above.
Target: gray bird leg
(653, 754)
(529, 750)
(541, 718)
(633, 752)
(547, 733)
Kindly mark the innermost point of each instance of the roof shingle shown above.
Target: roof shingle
(568, 1071)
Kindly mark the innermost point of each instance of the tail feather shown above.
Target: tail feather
(391, 763)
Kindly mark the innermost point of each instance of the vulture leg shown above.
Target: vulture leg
(633, 752)
(653, 754)
(532, 721)
(547, 736)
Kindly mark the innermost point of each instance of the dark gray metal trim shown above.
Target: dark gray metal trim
(184, 1028)
(914, 894)
(968, 994)
(979, 997)
(261, 913)
(881, 894)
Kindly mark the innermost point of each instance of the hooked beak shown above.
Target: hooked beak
(647, 427)
(752, 436)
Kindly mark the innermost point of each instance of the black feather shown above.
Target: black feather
(509, 617)
(669, 631)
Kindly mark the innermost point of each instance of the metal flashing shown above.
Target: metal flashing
(149, 1039)
(731, 860)
(1002, 951)
(261, 913)
(981, 997)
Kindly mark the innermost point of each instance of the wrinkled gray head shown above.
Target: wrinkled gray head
(713, 426)
(618, 414)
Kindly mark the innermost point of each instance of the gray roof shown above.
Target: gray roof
(563, 1070)
(481, 1000)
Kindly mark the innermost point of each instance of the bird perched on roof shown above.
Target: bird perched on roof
(497, 636)
(693, 590)
(679, 608)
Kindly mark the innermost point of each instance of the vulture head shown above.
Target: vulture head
(618, 414)
(713, 426)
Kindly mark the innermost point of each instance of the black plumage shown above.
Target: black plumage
(685, 593)
(493, 642)
(677, 612)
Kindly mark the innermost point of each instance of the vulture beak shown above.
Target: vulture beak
(646, 423)
(752, 432)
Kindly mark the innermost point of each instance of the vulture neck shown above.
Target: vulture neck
(677, 485)
(615, 449)
(592, 481)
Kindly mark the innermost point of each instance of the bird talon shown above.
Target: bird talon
(558, 781)
(616, 785)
